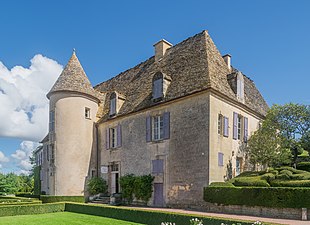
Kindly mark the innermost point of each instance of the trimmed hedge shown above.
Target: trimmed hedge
(51, 199)
(250, 181)
(143, 216)
(31, 209)
(304, 166)
(27, 195)
(290, 183)
(276, 197)
(221, 184)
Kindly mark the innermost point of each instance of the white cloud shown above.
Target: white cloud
(21, 156)
(3, 159)
(24, 106)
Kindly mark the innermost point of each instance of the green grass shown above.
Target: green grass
(61, 218)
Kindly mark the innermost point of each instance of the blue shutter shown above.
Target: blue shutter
(148, 129)
(220, 159)
(245, 129)
(166, 124)
(107, 140)
(235, 127)
(157, 88)
(225, 127)
(112, 106)
(119, 135)
(158, 166)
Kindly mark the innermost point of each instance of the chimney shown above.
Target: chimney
(161, 48)
(227, 59)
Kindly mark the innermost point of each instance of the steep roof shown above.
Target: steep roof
(193, 65)
(73, 78)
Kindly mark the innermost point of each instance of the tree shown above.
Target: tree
(286, 128)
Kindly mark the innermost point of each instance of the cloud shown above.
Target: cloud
(21, 156)
(3, 159)
(24, 106)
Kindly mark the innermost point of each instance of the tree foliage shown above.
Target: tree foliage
(97, 185)
(11, 183)
(282, 137)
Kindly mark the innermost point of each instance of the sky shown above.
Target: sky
(269, 42)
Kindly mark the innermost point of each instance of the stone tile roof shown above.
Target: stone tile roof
(193, 65)
(73, 78)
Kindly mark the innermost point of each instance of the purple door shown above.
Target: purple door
(159, 194)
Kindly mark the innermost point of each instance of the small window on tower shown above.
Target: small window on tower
(87, 113)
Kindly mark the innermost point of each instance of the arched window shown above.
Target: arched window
(113, 104)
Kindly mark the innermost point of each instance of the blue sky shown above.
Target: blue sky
(269, 41)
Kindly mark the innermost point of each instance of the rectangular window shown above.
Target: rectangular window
(158, 88)
(158, 128)
(220, 124)
(113, 137)
(52, 121)
(220, 159)
(87, 113)
(113, 106)
(158, 166)
(47, 154)
(226, 126)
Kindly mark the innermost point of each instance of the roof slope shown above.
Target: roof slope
(193, 65)
(73, 78)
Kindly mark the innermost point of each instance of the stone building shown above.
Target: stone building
(181, 116)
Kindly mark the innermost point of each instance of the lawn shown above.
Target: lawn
(61, 218)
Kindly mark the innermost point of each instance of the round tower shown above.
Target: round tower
(72, 133)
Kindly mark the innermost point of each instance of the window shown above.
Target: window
(114, 167)
(113, 104)
(240, 131)
(239, 127)
(220, 159)
(93, 173)
(158, 166)
(220, 124)
(158, 128)
(87, 113)
(158, 88)
(52, 121)
(47, 154)
(114, 137)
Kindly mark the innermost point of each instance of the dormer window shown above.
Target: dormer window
(113, 104)
(116, 102)
(160, 86)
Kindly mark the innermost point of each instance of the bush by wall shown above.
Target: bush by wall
(51, 199)
(259, 196)
(31, 209)
(142, 216)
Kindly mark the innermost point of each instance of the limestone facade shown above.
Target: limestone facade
(186, 133)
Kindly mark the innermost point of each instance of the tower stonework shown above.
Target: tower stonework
(73, 108)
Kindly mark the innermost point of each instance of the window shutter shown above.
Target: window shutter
(107, 139)
(113, 106)
(220, 159)
(235, 128)
(245, 129)
(157, 88)
(148, 129)
(166, 125)
(119, 135)
(158, 166)
(225, 127)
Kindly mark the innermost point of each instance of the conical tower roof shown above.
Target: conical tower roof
(73, 78)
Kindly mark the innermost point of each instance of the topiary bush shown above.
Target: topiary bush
(290, 183)
(250, 181)
(97, 185)
(303, 166)
(51, 199)
(268, 177)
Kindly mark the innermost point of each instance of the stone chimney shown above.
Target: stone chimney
(227, 59)
(161, 48)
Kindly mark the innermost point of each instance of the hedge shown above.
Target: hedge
(143, 216)
(250, 181)
(276, 197)
(31, 209)
(26, 195)
(304, 166)
(51, 199)
(221, 184)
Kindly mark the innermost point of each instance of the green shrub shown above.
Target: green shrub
(51, 199)
(259, 196)
(143, 216)
(221, 184)
(97, 185)
(127, 186)
(304, 166)
(250, 181)
(268, 177)
(26, 195)
(301, 176)
(290, 183)
(31, 209)
(249, 174)
(290, 169)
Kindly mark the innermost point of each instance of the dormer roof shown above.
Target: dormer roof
(74, 79)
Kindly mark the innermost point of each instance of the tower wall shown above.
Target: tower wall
(74, 141)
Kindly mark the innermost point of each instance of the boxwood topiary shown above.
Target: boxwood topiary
(221, 184)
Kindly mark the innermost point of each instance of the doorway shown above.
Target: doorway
(159, 194)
